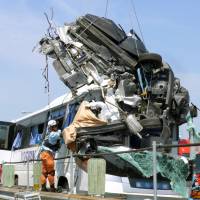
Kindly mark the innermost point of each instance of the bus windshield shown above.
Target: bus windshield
(4, 136)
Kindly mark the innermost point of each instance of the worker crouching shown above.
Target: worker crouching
(49, 147)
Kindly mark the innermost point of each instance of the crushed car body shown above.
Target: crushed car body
(124, 95)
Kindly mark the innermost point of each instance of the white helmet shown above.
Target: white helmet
(52, 123)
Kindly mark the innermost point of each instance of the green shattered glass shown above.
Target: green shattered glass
(176, 170)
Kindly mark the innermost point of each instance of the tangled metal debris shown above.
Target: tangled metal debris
(132, 92)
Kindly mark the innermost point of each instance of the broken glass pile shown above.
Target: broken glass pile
(176, 170)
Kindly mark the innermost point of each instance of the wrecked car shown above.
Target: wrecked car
(125, 95)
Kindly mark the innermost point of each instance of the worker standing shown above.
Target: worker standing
(48, 149)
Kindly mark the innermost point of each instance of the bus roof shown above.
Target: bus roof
(57, 102)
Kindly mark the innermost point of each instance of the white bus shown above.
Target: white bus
(37, 122)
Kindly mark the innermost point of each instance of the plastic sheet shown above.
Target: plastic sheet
(70, 113)
(105, 113)
(35, 136)
(17, 142)
(84, 118)
(8, 175)
(176, 170)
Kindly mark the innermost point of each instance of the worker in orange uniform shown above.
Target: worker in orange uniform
(48, 149)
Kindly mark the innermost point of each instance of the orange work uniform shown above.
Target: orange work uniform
(49, 146)
(47, 167)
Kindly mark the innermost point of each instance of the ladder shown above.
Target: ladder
(27, 196)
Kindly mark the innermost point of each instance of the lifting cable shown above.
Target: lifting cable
(45, 74)
(139, 26)
(106, 10)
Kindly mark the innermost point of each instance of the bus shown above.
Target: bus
(34, 125)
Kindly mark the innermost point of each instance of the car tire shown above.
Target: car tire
(150, 57)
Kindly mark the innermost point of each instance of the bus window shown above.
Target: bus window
(25, 137)
(3, 136)
(41, 128)
(36, 134)
(60, 123)
(11, 136)
(6, 134)
(58, 113)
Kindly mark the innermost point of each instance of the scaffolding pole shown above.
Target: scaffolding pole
(28, 184)
(71, 174)
(154, 171)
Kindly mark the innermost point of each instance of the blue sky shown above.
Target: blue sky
(170, 28)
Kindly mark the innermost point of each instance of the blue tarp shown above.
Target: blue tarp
(18, 141)
(35, 136)
(71, 112)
